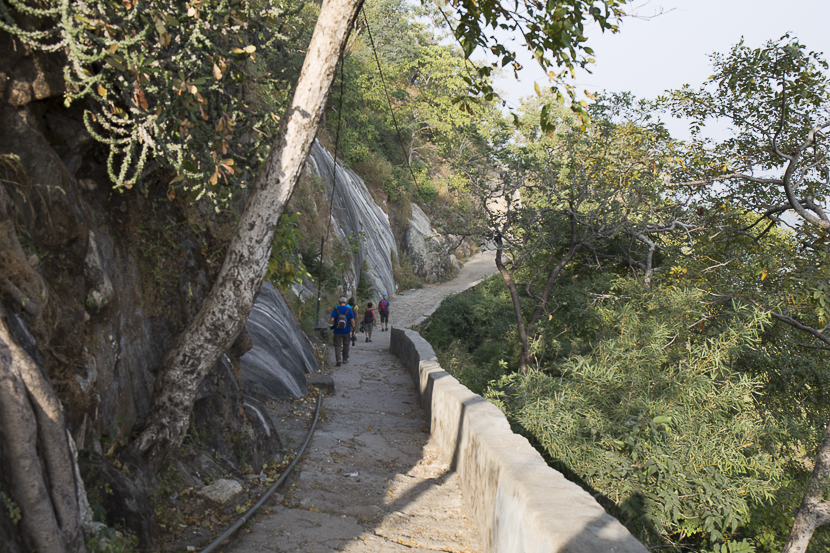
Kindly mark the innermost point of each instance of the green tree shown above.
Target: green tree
(554, 31)
(653, 416)
(773, 170)
(553, 197)
(185, 87)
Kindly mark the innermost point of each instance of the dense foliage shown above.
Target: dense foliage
(676, 362)
(671, 335)
(196, 88)
(650, 398)
(655, 417)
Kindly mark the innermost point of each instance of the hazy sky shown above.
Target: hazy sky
(649, 56)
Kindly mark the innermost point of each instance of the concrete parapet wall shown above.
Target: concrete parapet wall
(519, 503)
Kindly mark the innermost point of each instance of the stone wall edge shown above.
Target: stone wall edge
(518, 502)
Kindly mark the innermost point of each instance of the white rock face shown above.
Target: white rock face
(423, 245)
(276, 365)
(361, 220)
(95, 270)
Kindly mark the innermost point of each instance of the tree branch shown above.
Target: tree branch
(795, 324)
(730, 176)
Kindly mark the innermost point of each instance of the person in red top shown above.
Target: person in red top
(383, 309)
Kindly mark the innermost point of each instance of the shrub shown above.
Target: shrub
(405, 277)
(481, 319)
(655, 418)
(365, 291)
(642, 397)
(195, 88)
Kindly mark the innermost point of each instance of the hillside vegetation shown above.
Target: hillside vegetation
(658, 328)
(659, 324)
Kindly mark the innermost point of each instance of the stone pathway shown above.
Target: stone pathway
(371, 479)
(411, 307)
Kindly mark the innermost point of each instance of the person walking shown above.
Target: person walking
(342, 319)
(368, 321)
(383, 309)
(352, 303)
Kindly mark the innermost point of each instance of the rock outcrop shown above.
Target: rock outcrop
(26, 74)
(116, 497)
(426, 250)
(281, 357)
(223, 492)
(113, 277)
(358, 219)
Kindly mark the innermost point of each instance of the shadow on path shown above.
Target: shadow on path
(399, 495)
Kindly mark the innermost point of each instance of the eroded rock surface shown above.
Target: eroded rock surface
(426, 248)
(281, 357)
(359, 219)
(113, 276)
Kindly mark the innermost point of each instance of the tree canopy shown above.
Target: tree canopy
(702, 264)
(661, 323)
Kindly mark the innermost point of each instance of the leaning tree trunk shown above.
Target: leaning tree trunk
(35, 452)
(813, 512)
(554, 274)
(226, 308)
(507, 277)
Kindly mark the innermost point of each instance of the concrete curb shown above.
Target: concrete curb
(519, 503)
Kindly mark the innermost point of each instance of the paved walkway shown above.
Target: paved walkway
(371, 480)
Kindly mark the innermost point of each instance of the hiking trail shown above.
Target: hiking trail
(371, 479)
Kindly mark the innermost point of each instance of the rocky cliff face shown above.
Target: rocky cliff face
(281, 356)
(103, 282)
(426, 249)
(360, 220)
(100, 282)
(115, 277)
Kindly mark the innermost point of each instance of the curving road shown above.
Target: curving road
(371, 481)
(413, 306)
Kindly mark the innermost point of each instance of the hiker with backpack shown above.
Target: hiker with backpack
(352, 303)
(368, 322)
(342, 320)
(383, 309)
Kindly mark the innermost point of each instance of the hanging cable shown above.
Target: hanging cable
(389, 100)
(324, 238)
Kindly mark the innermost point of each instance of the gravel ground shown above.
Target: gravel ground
(371, 480)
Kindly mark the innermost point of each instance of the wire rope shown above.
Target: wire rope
(324, 238)
(388, 99)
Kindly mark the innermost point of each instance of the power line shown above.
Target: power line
(324, 238)
(388, 99)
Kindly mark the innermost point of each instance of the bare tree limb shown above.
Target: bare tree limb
(795, 324)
